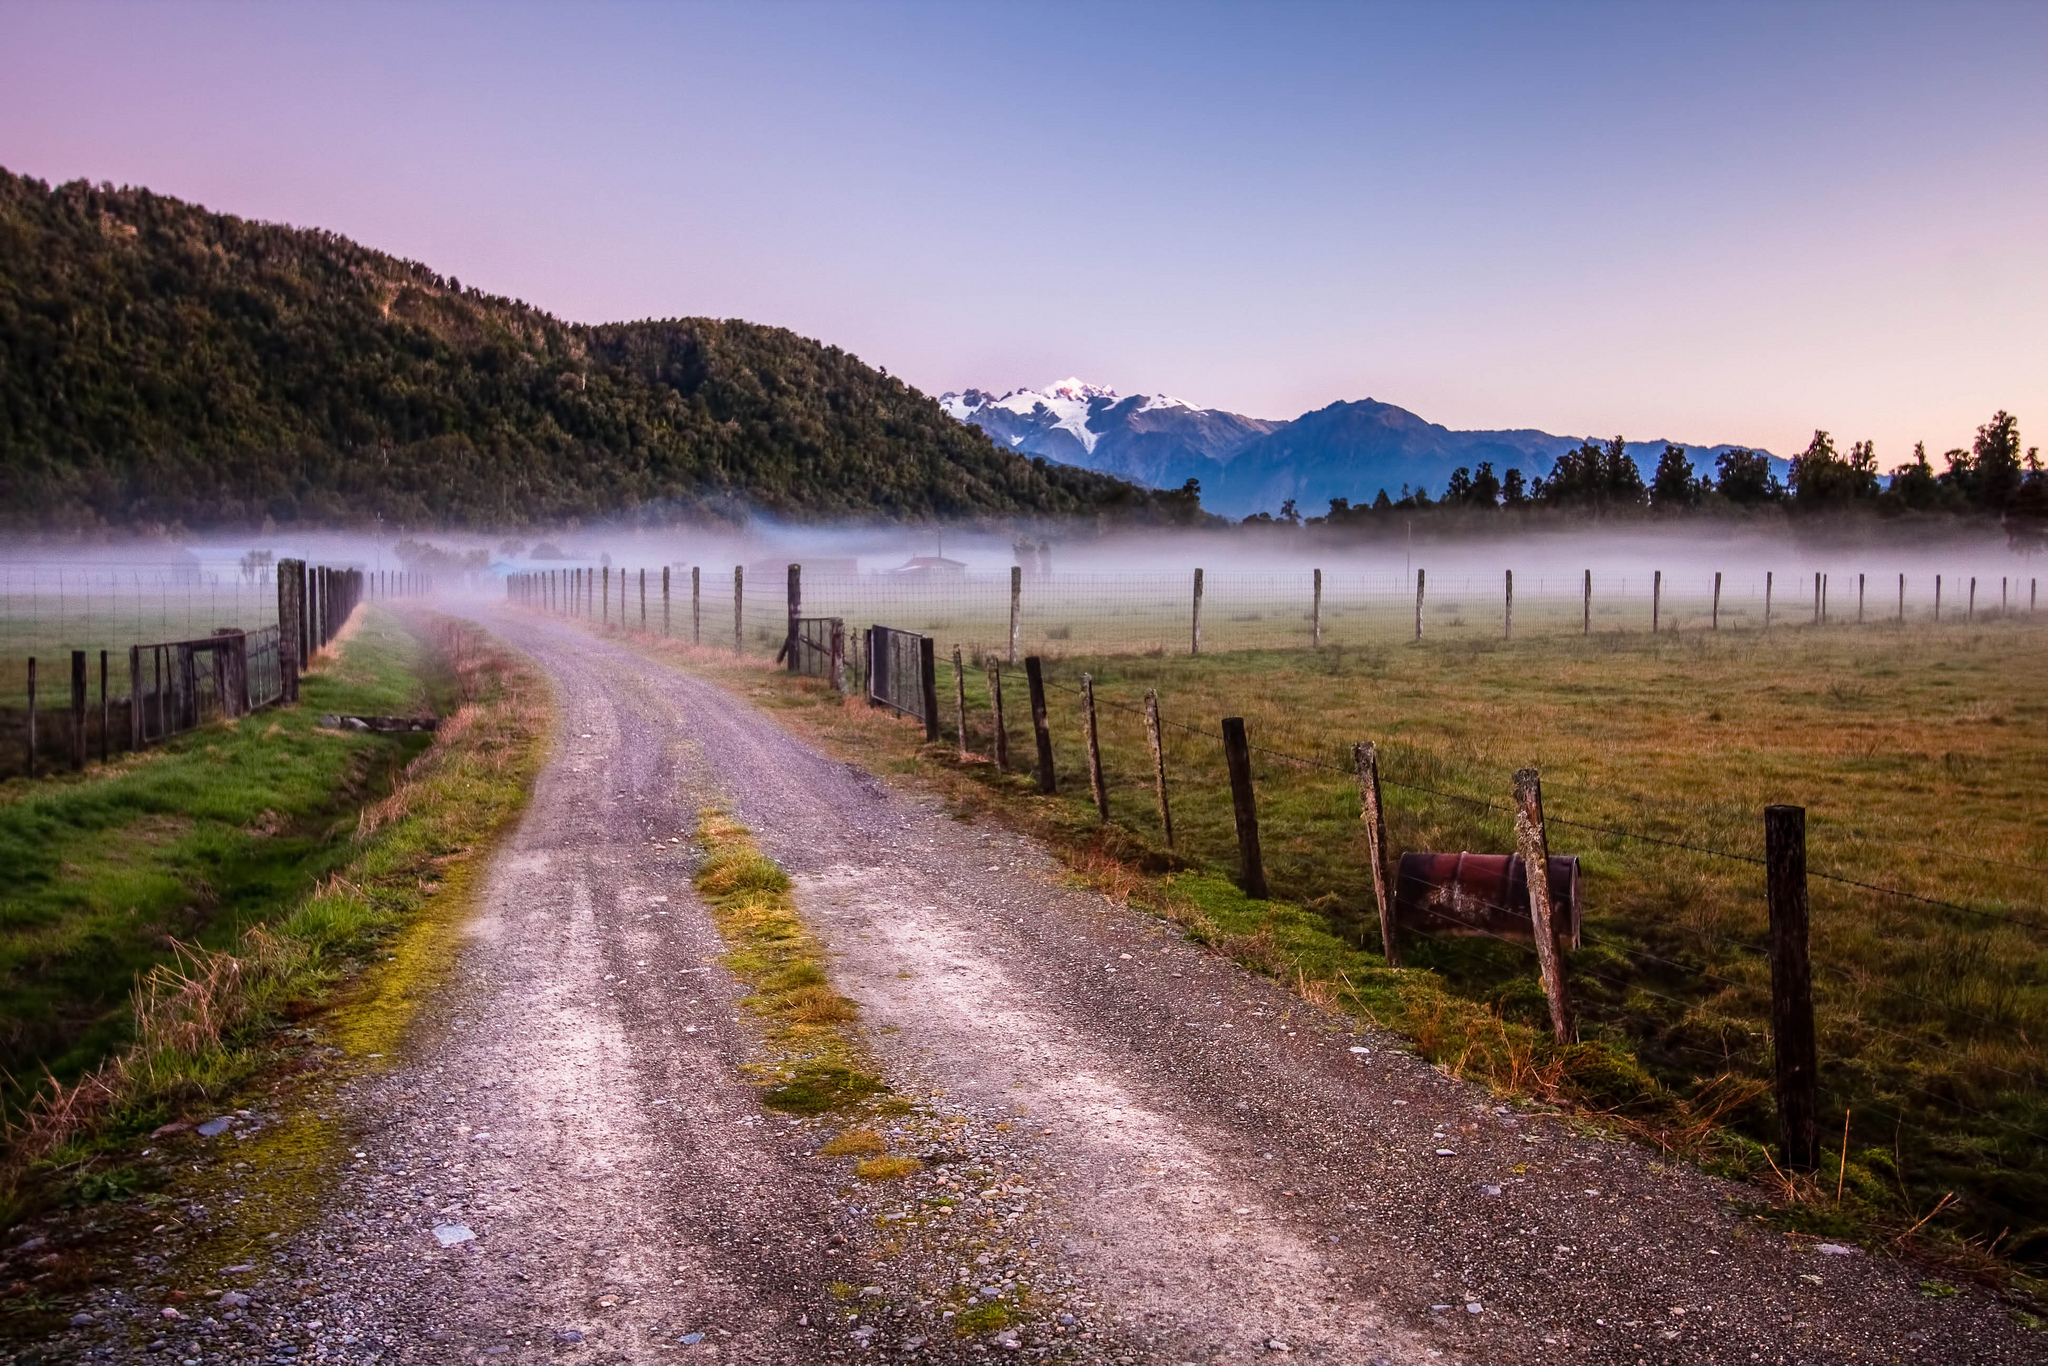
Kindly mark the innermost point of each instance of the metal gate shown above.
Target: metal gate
(901, 675)
(821, 650)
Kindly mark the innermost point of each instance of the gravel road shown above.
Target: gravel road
(1134, 1151)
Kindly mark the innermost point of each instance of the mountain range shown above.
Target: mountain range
(1350, 450)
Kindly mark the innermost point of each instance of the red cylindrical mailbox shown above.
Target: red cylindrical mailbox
(1483, 894)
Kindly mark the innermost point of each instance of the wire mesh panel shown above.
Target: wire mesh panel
(895, 670)
(820, 648)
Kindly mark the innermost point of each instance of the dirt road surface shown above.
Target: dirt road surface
(1145, 1154)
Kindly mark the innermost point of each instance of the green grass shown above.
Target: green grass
(102, 875)
(1916, 752)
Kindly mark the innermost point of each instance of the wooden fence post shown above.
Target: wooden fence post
(1970, 613)
(106, 710)
(1195, 644)
(1656, 599)
(1859, 599)
(607, 619)
(1316, 615)
(1508, 609)
(739, 587)
(1796, 1061)
(995, 708)
(1535, 850)
(928, 685)
(78, 711)
(664, 602)
(1237, 755)
(1016, 607)
(1902, 599)
(1586, 607)
(136, 718)
(643, 600)
(796, 610)
(1418, 604)
(31, 716)
(838, 664)
(1366, 757)
(1158, 743)
(1816, 598)
(1767, 599)
(1095, 784)
(960, 701)
(1937, 599)
(1717, 600)
(696, 604)
(1034, 679)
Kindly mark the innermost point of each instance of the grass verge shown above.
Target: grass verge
(208, 1018)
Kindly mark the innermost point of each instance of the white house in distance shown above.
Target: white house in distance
(929, 567)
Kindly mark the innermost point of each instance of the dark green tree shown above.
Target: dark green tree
(1675, 484)
(1514, 491)
(1746, 479)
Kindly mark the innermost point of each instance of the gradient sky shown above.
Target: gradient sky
(1706, 222)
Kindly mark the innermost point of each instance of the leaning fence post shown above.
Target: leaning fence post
(1034, 679)
(1016, 606)
(31, 716)
(1195, 645)
(928, 687)
(960, 701)
(1535, 850)
(78, 711)
(739, 586)
(1586, 607)
(1717, 601)
(1095, 784)
(1418, 604)
(796, 610)
(1157, 741)
(1316, 615)
(664, 602)
(1508, 609)
(135, 715)
(1366, 756)
(1796, 1062)
(1237, 756)
(995, 708)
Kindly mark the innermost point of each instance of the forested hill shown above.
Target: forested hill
(163, 364)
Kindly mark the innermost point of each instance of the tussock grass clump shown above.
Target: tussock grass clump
(816, 1063)
(887, 1168)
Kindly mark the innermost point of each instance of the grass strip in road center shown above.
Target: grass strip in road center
(816, 1061)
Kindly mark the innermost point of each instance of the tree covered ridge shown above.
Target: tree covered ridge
(163, 364)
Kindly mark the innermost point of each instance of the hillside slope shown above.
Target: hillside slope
(163, 364)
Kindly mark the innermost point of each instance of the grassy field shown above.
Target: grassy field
(102, 875)
(1915, 752)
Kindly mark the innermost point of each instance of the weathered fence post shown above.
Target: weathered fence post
(696, 604)
(928, 685)
(1816, 598)
(1970, 612)
(995, 709)
(1796, 1062)
(1034, 679)
(960, 701)
(31, 716)
(1095, 784)
(2004, 604)
(1237, 756)
(606, 619)
(1535, 850)
(838, 664)
(1902, 599)
(1418, 604)
(739, 587)
(1158, 743)
(796, 610)
(1508, 609)
(135, 713)
(1195, 644)
(664, 603)
(1767, 599)
(1937, 598)
(1717, 600)
(1859, 599)
(1315, 630)
(643, 600)
(78, 711)
(1586, 607)
(106, 709)
(1366, 756)
(1656, 599)
(1016, 607)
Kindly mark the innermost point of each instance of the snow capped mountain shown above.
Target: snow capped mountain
(1246, 464)
(1150, 439)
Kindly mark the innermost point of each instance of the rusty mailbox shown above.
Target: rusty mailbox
(1483, 895)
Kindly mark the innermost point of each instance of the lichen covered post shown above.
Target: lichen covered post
(1016, 607)
(1237, 756)
(995, 712)
(1034, 678)
(1095, 783)
(1157, 741)
(1365, 755)
(960, 701)
(1195, 644)
(1535, 851)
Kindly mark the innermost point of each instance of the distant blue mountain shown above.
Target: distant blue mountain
(1348, 450)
